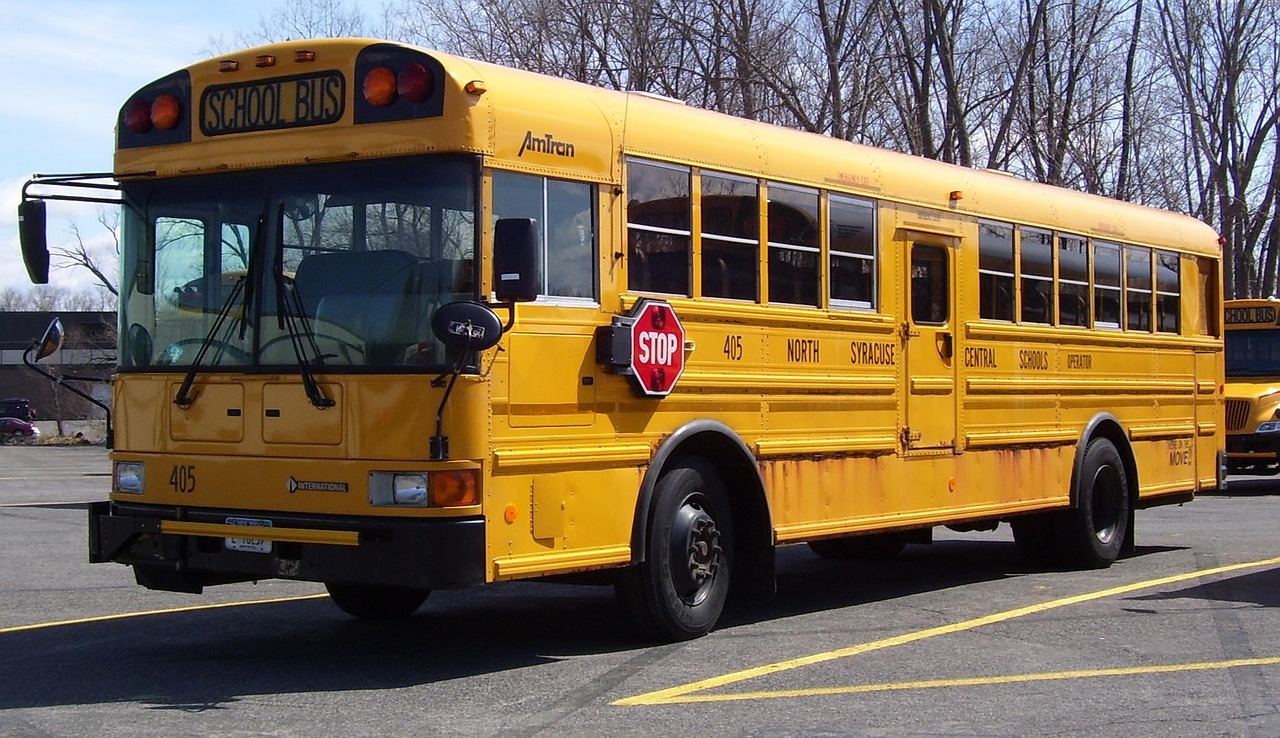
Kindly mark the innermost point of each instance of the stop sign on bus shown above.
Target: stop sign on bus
(657, 347)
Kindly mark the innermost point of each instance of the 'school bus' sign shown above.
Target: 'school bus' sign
(1250, 314)
(272, 104)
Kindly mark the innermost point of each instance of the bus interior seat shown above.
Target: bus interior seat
(363, 293)
(352, 273)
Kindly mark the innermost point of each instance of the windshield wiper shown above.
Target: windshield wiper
(244, 285)
(292, 317)
(185, 398)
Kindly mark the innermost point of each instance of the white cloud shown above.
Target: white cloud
(66, 68)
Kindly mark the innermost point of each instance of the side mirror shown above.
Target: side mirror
(517, 260)
(467, 326)
(35, 246)
(51, 341)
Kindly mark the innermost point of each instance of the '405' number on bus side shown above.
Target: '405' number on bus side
(183, 478)
(733, 347)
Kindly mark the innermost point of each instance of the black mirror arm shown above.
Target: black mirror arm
(61, 381)
(440, 442)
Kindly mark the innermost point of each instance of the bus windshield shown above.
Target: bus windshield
(332, 267)
(1253, 353)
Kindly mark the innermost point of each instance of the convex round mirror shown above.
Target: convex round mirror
(467, 326)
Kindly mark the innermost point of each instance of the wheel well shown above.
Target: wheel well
(1108, 427)
(733, 461)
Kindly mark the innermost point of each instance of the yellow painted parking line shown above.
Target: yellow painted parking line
(145, 613)
(977, 681)
(686, 692)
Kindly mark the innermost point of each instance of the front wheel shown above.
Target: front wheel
(678, 592)
(376, 602)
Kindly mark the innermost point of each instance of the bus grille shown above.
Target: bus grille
(1237, 414)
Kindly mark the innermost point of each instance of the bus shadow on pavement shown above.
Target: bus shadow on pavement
(1248, 487)
(197, 661)
(1260, 588)
(808, 583)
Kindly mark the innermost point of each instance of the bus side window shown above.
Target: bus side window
(995, 271)
(564, 216)
(1037, 275)
(730, 237)
(929, 296)
(851, 238)
(793, 245)
(659, 227)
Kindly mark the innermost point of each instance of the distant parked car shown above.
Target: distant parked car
(17, 407)
(13, 429)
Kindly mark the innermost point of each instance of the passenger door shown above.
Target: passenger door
(928, 333)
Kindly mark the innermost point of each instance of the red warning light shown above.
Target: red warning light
(137, 115)
(414, 83)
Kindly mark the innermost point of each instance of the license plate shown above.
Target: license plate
(249, 545)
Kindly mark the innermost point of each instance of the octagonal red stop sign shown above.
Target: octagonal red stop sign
(657, 347)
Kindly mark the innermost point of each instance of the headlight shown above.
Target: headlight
(409, 489)
(128, 477)
(1271, 426)
(452, 488)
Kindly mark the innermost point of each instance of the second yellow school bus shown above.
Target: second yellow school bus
(394, 320)
(1253, 385)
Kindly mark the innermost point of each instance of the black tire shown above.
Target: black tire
(678, 592)
(376, 602)
(1094, 531)
(873, 547)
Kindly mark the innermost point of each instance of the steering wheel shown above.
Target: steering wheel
(175, 350)
(349, 351)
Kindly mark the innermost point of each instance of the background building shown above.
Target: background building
(87, 351)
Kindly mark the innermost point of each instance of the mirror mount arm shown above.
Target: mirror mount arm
(62, 381)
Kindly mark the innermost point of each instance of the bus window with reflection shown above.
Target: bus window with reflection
(1106, 284)
(730, 237)
(1073, 281)
(995, 271)
(793, 245)
(659, 235)
(1037, 275)
(851, 234)
(1137, 275)
(1168, 292)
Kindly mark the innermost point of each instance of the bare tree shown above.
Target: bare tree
(300, 20)
(79, 255)
(1225, 62)
(1168, 102)
(50, 298)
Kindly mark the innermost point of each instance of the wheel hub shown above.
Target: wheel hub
(695, 552)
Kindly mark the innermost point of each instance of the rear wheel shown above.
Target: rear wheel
(679, 591)
(1091, 534)
(376, 602)
(1094, 530)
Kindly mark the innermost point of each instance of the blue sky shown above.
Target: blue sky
(66, 67)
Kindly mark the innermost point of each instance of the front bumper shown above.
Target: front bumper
(1253, 452)
(188, 552)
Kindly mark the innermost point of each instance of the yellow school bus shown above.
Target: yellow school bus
(1253, 385)
(395, 321)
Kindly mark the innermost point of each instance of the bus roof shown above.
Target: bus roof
(524, 120)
